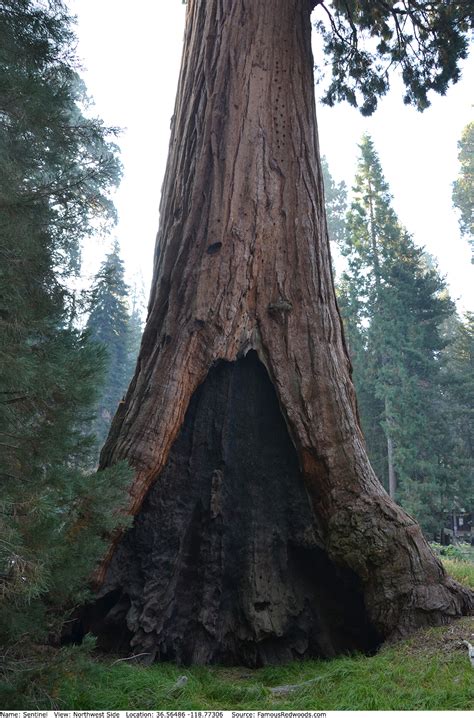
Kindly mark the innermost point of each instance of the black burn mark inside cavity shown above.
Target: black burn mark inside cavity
(223, 563)
(214, 248)
(107, 618)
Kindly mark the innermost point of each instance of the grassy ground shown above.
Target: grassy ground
(462, 571)
(462, 551)
(430, 671)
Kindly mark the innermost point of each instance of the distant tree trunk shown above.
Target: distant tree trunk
(261, 531)
(392, 479)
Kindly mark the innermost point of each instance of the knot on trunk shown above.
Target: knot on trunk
(279, 308)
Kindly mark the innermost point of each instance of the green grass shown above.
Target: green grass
(462, 551)
(430, 671)
(402, 677)
(462, 571)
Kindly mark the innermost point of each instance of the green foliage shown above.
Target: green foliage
(457, 361)
(462, 552)
(394, 303)
(365, 39)
(55, 158)
(118, 331)
(31, 677)
(335, 194)
(463, 187)
(57, 167)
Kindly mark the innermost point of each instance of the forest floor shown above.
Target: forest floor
(429, 671)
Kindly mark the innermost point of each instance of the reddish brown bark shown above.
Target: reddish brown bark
(242, 263)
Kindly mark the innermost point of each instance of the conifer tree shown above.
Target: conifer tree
(463, 187)
(335, 195)
(57, 166)
(118, 330)
(137, 314)
(365, 39)
(394, 302)
(458, 407)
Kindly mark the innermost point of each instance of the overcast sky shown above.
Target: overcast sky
(131, 55)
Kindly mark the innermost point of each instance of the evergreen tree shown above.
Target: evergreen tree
(365, 39)
(335, 194)
(57, 166)
(458, 407)
(137, 316)
(118, 330)
(394, 302)
(463, 187)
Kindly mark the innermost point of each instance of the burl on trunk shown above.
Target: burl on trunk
(261, 532)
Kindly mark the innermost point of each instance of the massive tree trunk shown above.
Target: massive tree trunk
(261, 532)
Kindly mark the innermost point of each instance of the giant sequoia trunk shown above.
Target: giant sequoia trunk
(261, 532)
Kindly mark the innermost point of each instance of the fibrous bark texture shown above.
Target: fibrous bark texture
(226, 551)
(242, 263)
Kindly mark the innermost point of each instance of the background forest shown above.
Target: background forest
(68, 348)
(412, 354)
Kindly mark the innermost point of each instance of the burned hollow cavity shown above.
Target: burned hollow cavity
(224, 562)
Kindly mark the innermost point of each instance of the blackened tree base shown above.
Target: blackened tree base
(225, 563)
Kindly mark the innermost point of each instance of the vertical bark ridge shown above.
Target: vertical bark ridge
(243, 262)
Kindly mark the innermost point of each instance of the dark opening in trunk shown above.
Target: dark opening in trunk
(225, 562)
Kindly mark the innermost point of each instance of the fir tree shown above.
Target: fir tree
(57, 167)
(458, 406)
(394, 302)
(137, 314)
(118, 330)
(463, 187)
(335, 194)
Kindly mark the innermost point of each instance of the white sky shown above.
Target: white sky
(131, 54)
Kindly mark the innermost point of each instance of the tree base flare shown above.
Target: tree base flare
(225, 562)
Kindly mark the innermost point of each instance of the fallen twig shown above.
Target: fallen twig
(130, 658)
